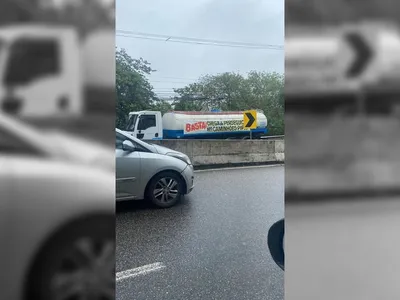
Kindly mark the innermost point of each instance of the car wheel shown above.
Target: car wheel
(165, 189)
(77, 263)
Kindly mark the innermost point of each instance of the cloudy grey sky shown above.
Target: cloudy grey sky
(249, 21)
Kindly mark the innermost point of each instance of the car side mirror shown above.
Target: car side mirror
(276, 243)
(128, 146)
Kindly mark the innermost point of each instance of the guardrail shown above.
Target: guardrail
(209, 153)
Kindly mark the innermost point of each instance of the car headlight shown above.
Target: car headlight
(182, 157)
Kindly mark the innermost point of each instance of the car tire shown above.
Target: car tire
(62, 267)
(162, 187)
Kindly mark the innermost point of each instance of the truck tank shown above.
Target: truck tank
(210, 125)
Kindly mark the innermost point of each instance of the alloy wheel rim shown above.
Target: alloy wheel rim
(166, 190)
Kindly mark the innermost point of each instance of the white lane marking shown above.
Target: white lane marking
(238, 168)
(143, 270)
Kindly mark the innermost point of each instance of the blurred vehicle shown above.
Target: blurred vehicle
(151, 171)
(276, 243)
(40, 74)
(151, 125)
(47, 71)
(58, 202)
(18, 137)
(342, 60)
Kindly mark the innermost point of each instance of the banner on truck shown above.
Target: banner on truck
(213, 126)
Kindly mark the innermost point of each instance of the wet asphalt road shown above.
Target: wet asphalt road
(213, 245)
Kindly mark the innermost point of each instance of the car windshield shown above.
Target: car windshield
(131, 123)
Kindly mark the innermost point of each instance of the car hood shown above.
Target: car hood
(164, 150)
(83, 151)
(157, 148)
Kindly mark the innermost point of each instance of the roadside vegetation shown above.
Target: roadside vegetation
(227, 91)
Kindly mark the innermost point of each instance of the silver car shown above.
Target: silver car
(148, 171)
(57, 202)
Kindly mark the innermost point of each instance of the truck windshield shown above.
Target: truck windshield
(131, 123)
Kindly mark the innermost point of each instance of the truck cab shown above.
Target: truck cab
(146, 125)
(40, 73)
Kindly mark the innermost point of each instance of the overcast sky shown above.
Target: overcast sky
(250, 21)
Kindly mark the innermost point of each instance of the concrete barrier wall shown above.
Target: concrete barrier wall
(229, 152)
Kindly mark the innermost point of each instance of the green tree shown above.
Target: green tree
(19, 11)
(134, 91)
(232, 91)
(267, 93)
(86, 16)
(162, 106)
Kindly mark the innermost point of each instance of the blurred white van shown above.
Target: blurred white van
(40, 73)
(47, 71)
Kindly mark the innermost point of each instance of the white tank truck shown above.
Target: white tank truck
(152, 125)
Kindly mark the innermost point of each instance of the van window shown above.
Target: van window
(30, 59)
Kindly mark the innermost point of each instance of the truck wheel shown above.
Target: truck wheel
(165, 189)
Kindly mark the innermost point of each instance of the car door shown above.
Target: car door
(16, 194)
(127, 169)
